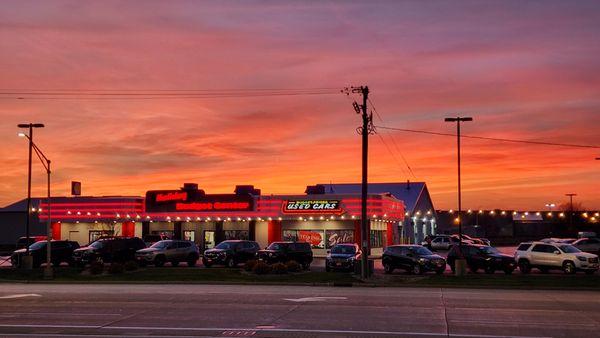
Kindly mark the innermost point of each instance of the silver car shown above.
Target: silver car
(174, 251)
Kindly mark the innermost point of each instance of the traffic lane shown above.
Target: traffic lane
(351, 311)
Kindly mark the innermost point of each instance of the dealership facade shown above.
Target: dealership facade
(322, 216)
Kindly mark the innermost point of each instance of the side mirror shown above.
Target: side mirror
(557, 252)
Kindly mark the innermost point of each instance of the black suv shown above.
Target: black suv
(288, 251)
(415, 259)
(482, 257)
(342, 257)
(109, 249)
(230, 253)
(61, 251)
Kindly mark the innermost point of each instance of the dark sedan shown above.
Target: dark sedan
(482, 257)
(61, 251)
(342, 257)
(415, 259)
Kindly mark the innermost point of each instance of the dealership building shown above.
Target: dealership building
(324, 215)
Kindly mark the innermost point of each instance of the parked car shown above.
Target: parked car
(483, 257)
(548, 256)
(153, 238)
(415, 259)
(288, 251)
(174, 251)
(591, 245)
(109, 249)
(343, 257)
(24, 242)
(61, 251)
(231, 253)
(454, 240)
(440, 243)
(558, 240)
(474, 240)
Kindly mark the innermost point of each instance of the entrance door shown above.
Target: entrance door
(209, 239)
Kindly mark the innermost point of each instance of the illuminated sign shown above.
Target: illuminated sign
(312, 207)
(210, 206)
(171, 196)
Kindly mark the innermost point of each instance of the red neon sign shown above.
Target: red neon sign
(198, 206)
(171, 196)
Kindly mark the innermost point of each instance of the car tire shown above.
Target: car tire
(524, 267)
(417, 269)
(569, 268)
(230, 263)
(159, 261)
(388, 268)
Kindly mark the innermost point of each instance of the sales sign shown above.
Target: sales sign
(312, 207)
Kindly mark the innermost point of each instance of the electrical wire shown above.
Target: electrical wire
(493, 138)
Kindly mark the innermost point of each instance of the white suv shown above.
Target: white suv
(546, 256)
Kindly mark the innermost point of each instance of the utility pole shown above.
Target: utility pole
(364, 131)
(460, 264)
(571, 208)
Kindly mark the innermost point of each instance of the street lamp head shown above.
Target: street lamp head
(33, 125)
(22, 135)
(458, 119)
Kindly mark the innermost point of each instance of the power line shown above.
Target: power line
(493, 138)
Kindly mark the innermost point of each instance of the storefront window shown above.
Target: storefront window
(236, 234)
(339, 236)
(189, 235)
(316, 238)
(378, 238)
(96, 234)
(164, 234)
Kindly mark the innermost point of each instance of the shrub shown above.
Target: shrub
(131, 266)
(279, 268)
(116, 268)
(96, 268)
(261, 268)
(249, 265)
(293, 266)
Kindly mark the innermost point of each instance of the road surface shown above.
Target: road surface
(55, 310)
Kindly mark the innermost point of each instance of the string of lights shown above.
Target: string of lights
(492, 138)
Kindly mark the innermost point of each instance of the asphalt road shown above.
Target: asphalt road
(46, 310)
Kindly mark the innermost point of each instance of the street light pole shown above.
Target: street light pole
(28, 262)
(460, 263)
(571, 208)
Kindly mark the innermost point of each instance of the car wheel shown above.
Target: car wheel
(569, 267)
(99, 260)
(159, 261)
(388, 268)
(206, 263)
(490, 270)
(416, 269)
(524, 267)
(174, 263)
(590, 272)
(191, 261)
(230, 263)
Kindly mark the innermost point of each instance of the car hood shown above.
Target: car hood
(214, 251)
(146, 250)
(585, 254)
(84, 248)
(346, 256)
(19, 252)
(267, 251)
(501, 255)
(432, 257)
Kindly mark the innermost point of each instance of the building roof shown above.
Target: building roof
(408, 192)
(58, 200)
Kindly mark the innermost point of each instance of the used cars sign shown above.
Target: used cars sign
(312, 207)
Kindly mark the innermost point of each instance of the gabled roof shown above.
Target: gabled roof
(408, 192)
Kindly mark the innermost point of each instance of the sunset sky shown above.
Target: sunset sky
(522, 70)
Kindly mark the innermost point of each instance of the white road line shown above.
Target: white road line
(221, 329)
(314, 299)
(20, 295)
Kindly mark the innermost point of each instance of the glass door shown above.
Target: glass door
(209, 239)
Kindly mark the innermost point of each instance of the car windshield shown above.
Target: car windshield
(275, 246)
(37, 245)
(569, 249)
(160, 245)
(343, 249)
(489, 250)
(225, 246)
(421, 251)
(97, 245)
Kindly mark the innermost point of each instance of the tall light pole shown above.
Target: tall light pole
(460, 263)
(46, 163)
(571, 208)
(28, 263)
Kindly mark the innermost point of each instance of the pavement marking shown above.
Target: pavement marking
(20, 295)
(222, 329)
(314, 299)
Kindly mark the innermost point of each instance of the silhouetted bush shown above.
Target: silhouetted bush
(279, 268)
(131, 266)
(249, 265)
(96, 268)
(261, 268)
(116, 268)
(293, 266)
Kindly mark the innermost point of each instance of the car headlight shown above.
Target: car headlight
(270, 254)
(581, 258)
(423, 260)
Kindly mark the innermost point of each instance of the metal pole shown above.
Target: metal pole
(364, 218)
(48, 270)
(459, 192)
(27, 253)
